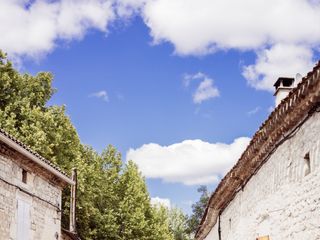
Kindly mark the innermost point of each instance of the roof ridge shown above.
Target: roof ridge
(261, 136)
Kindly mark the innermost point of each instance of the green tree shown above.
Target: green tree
(138, 219)
(25, 115)
(178, 224)
(46, 129)
(160, 226)
(134, 205)
(97, 193)
(113, 201)
(198, 210)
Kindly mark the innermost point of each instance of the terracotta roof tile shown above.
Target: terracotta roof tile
(300, 100)
(32, 152)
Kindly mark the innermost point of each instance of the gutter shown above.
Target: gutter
(31, 156)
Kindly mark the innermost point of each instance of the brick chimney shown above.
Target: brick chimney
(283, 86)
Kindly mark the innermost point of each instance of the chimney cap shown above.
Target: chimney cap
(284, 81)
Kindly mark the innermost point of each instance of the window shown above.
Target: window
(24, 176)
(263, 238)
(306, 168)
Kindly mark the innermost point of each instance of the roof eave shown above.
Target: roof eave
(308, 82)
(32, 157)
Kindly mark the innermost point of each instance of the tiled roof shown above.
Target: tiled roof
(37, 155)
(290, 112)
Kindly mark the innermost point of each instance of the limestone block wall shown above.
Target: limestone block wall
(40, 199)
(282, 200)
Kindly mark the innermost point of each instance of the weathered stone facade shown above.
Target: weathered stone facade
(30, 199)
(279, 201)
(273, 191)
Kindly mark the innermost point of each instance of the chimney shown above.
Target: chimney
(283, 86)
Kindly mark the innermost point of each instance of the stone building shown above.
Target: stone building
(30, 193)
(273, 191)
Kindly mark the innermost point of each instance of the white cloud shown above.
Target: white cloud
(156, 201)
(101, 94)
(127, 8)
(286, 30)
(279, 60)
(190, 162)
(188, 78)
(199, 26)
(254, 111)
(284, 34)
(205, 90)
(32, 28)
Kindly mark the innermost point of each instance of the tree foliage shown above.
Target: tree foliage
(161, 223)
(138, 219)
(178, 224)
(25, 115)
(98, 179)
(113, 201)
(198, 210)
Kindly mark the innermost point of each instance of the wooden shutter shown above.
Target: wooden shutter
(23, 227)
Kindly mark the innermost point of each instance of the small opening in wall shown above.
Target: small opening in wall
(229, 223)
(263, 238)
(306, 168)
(24, 176)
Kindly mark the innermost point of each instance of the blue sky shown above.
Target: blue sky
(123, 77)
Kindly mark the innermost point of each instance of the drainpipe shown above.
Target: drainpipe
(73, 202)
(219, 226)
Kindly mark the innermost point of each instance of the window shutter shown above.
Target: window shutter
(23, 221)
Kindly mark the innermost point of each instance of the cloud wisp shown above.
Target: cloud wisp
(205, 90)
(254, 111)
(190, 162)
(32, 28)
(284, 34)
(101, 94)
(279, 60)
(157, 201)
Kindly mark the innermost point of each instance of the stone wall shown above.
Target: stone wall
(42, 198)
(282, 200)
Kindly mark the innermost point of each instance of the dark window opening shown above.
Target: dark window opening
(24, 176)
(263, 238)
(307, 168)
